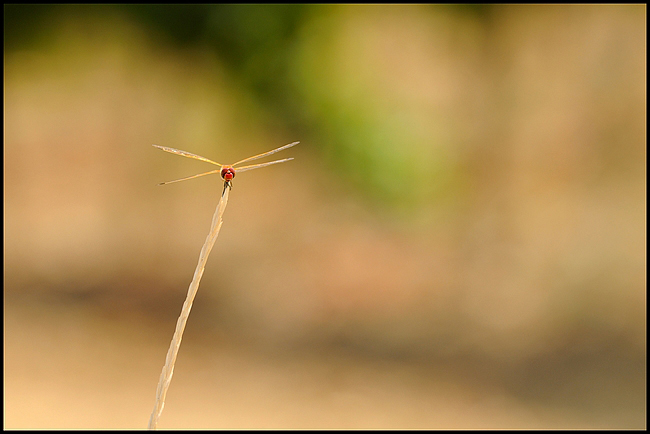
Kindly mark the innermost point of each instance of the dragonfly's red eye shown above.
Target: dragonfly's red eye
(227, 173)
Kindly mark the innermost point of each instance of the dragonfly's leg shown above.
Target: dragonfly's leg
(226, 184)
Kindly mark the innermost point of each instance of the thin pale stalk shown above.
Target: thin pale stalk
(168, 369)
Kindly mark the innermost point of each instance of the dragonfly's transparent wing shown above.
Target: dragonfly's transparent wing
(190, 177)
(257, 166)
(186, 154)
(257, 157)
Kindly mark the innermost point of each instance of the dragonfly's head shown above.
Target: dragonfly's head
(227, 173)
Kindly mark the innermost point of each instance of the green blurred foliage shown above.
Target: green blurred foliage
(296, 78)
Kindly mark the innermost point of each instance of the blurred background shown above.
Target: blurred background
(460, 241)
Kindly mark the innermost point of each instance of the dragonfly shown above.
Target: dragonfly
(227, 171)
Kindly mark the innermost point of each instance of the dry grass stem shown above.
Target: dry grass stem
(227, 174)
(168, 369)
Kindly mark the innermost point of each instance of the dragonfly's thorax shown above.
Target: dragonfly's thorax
(227, 173)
